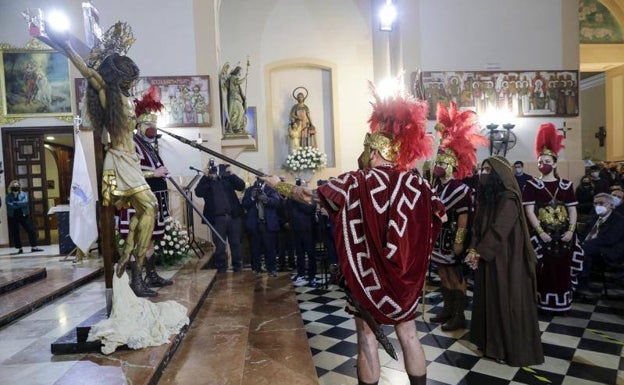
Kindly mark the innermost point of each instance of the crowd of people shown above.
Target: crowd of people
(282, 234)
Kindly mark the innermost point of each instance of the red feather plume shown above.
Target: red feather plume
(548, 138)
(459, 132)
(403, 119)
(149, 103)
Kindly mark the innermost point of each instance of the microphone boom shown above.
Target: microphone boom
(214, 153)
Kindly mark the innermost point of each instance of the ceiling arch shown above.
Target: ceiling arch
(603, 57)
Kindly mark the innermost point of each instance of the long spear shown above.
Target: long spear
(214, 153)
(245, 94)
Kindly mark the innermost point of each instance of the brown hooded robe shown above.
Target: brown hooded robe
(504, 317)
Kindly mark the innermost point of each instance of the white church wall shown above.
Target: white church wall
(303, 31)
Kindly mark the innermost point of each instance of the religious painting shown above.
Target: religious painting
(186, 99)
(251, 128)
(520, 93)
(34, 83)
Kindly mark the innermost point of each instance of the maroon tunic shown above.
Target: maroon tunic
(150, 161)
(386, 223)
(558, 262)
(456, 197)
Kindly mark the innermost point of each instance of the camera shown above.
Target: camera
(298, 182)
(211, 166)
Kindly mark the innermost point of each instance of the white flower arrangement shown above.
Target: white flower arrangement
(306, 158)
(174, 245)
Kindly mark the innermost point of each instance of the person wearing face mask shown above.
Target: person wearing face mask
(155, 174)
(521, 177)
(550, 206)
(504, 322)
(585, 197)
(599, 184)
(455, 159)
(18, 212)
(618, 199)
(602, 240)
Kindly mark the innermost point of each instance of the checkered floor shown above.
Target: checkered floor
(583, 348)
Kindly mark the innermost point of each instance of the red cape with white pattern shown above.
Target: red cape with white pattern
(386, 222)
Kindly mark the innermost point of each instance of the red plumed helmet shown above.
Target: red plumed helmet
(149, 104)
(398, 127)
(460, 137)
(548, 140)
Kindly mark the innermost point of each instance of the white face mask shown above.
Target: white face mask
(617, 201)
(595, 174)
(519, 170)
(600, 210)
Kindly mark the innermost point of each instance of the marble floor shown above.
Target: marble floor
(581, 349)
(260, 314)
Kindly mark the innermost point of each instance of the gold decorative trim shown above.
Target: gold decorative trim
(388, 149)
(285, 189)
(8, 116)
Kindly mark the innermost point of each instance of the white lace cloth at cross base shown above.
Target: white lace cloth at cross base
(137, 322)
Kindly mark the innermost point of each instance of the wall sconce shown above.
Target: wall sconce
(503, 140)
(387, 16)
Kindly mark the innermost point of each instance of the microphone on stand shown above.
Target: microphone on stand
(196, 169)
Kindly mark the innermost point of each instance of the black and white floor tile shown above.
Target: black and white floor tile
(582, 348)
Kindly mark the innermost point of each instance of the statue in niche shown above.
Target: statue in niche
(301, 131)
(233, 102)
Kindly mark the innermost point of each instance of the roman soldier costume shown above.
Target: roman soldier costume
(455, 160)
(559, 260)
(386, 217)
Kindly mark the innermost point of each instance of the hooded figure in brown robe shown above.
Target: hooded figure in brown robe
(504, 322)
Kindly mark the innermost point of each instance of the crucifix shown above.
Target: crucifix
(564, 129)
(601, 135)
(39, 28)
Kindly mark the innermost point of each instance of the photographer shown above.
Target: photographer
(222, 209)
(303, 223)
(262, 203)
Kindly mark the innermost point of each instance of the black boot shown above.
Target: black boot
(447, 311)
(459, 320)
(418, 380)
(152, 279)
(137, 285)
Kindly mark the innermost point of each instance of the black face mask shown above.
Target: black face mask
(15, 188)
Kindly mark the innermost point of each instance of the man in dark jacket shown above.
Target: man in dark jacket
(262, 225)
(303, 223)
(602, 240)
(223, 210)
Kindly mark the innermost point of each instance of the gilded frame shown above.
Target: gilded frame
(34, 83)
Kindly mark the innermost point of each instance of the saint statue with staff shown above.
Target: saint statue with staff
(301, 131)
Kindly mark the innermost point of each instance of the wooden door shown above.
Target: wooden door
(24, 159)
